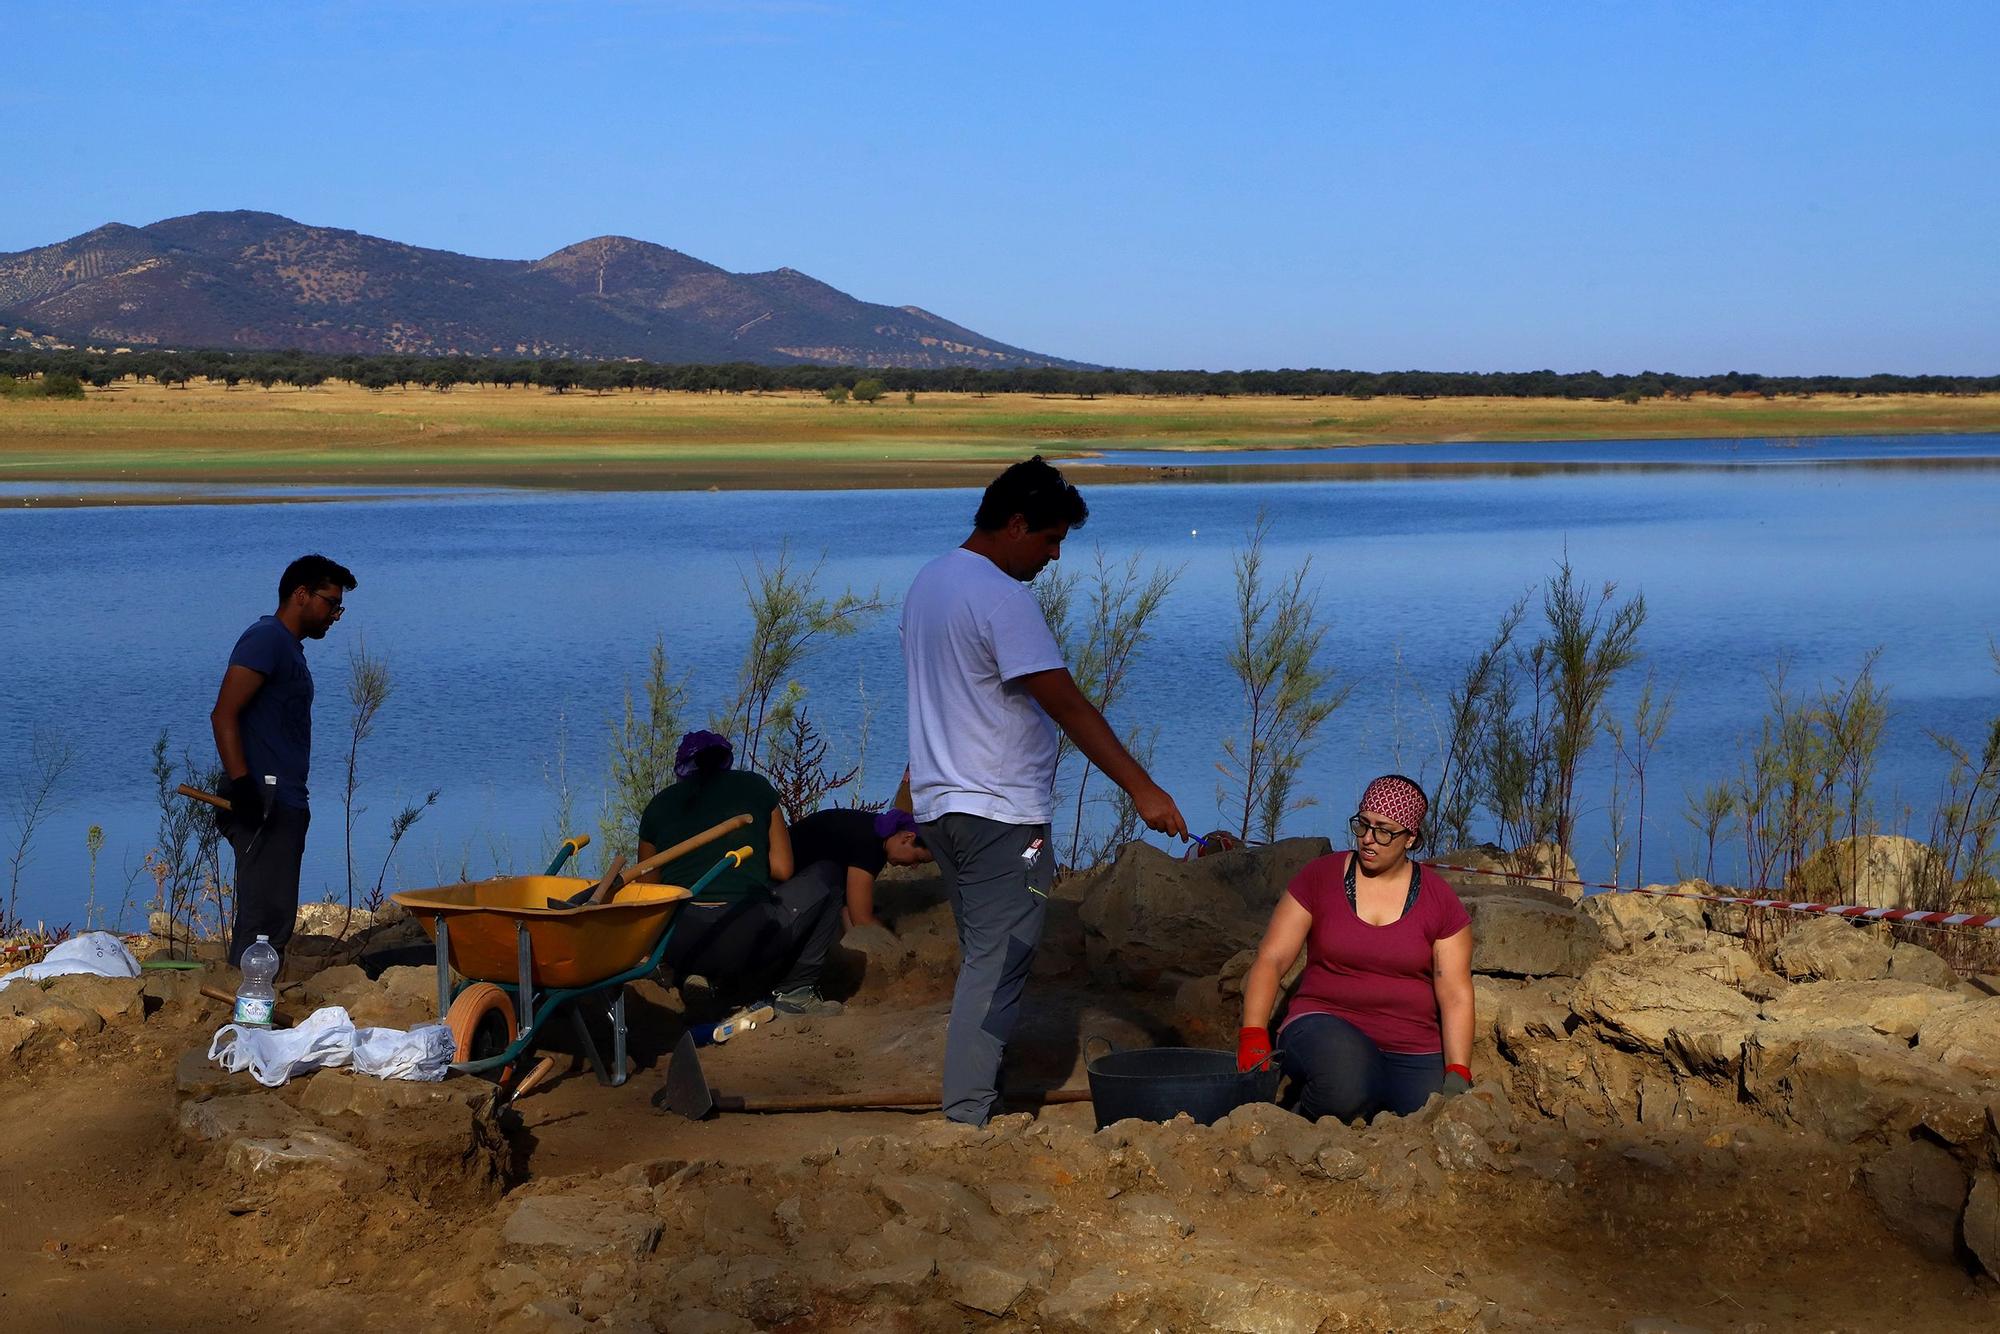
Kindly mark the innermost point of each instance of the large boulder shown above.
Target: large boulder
(1981, 1225)
(1152, 915)
(1893, 1009)
(1628, 921)
(1522, 937)
(1655, 1004)
(1855, 1086)
(1541, 869)
(1833, 949)
(1877, 870)
(1965, 1037)
(1920, 1189)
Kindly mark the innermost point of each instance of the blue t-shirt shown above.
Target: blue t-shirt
(277, 723)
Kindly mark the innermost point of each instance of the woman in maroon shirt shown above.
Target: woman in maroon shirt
(1382, 1018)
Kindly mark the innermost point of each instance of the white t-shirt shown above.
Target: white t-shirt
(979, 743)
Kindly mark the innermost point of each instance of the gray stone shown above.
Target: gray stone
(1981, 1225)
(547, 1315)
(57, 1014)
(323, 986)
(1016, 1199)
(934, 1204)
(981, 1284)
(1247, 1305)
(1153, 914)
(1920, 1189)
(1874, 870)
(1522, 937)
(1833, 949)
(16, 1030)
(578, 1225)
(1154, 1215)
(1098, 1299)
(332, 1093)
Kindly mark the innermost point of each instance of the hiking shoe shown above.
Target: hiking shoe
(697, 992)
(805, 1001)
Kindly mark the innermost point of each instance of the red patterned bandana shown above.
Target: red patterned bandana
(1395, 799)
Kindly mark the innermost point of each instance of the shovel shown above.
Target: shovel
(686, 1092)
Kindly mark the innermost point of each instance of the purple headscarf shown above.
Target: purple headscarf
(687, 759)
(895, 821)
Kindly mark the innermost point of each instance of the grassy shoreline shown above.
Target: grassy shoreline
(334, 435)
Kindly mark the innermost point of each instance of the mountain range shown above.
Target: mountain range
(260, 281)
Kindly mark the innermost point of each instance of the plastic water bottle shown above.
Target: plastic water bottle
(256, 998)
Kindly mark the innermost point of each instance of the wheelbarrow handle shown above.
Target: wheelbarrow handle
(705, 837)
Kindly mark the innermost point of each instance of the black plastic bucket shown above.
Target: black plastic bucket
(1159, 1083)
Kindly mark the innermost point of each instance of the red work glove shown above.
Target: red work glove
(1253, 1048)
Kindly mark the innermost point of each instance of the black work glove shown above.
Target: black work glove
(1454, 1084)
(246, 806)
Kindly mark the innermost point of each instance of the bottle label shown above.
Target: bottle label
(253, 1010)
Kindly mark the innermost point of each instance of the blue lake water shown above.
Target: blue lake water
(512, 621)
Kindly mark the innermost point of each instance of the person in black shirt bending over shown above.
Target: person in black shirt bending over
(864, 843)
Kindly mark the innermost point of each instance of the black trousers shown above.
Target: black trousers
(784, 935)
(267, 879)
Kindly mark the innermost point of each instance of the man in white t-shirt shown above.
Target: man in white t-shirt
(988, 690)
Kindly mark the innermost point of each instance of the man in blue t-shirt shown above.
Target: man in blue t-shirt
(988, 693)
(263, 734)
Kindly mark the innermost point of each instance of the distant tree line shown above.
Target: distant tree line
(303, 370)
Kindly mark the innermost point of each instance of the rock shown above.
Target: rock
(981, 1284)
(1852, 1086)
(1532, 872)
(1526, 938)
(1098, 1299)
(323, 986)
(934, 1204)
(1894, 1009)
(1628, 921)
(196, 1076)
(115, 1000)
(547, 1315)
(1914, 963)
(305, 1152)
(1151, 914)
(326, 919)
(1875, 870)
(1011, 1199)
(214, 1120)
(15, 1031)
(1646, 1001)
(56, 1014)
(1920, 1189)
(1832, 949)
(1154, 1215)
(579, 1226)
(336, 1093)
(172, 986)
(1244, 1304)
(1981, 1225)
(1520, 1013)
(1965, 1037)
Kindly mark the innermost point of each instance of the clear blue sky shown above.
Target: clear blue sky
(1783, 187)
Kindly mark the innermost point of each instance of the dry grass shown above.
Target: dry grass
(338, 433)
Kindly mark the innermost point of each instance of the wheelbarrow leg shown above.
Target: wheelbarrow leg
(525, 962)
(588, 1046)
(443, 966)
(618, 1037)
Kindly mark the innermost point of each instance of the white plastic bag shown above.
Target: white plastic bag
(273, 1055)
(96, 952)
(424, 1053)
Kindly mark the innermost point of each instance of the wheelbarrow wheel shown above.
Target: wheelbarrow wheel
(483, 1025)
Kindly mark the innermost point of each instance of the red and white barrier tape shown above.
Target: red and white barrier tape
(1856, 912)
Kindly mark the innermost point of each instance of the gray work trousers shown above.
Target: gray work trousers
(999, 899)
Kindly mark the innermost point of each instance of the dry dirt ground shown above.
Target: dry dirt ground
(581, 1207)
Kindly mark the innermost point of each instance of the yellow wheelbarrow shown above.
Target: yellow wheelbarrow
(521, 960)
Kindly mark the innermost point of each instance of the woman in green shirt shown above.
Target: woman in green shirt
(761, 920)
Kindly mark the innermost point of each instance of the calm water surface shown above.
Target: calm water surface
(512, 622)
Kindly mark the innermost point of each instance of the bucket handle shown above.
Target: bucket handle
(1104, 1043)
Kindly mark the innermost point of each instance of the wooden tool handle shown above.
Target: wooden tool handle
(842, 1102)
(220, 803)
(705, 837)
(603, 891)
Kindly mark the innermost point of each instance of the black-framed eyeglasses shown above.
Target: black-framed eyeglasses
(339, 608)
(1375, 833)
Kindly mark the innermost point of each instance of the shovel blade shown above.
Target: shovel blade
(686, 1091)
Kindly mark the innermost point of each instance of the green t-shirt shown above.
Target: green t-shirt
(686, 808)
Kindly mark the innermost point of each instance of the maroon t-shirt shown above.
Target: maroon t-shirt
(1378, 978)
